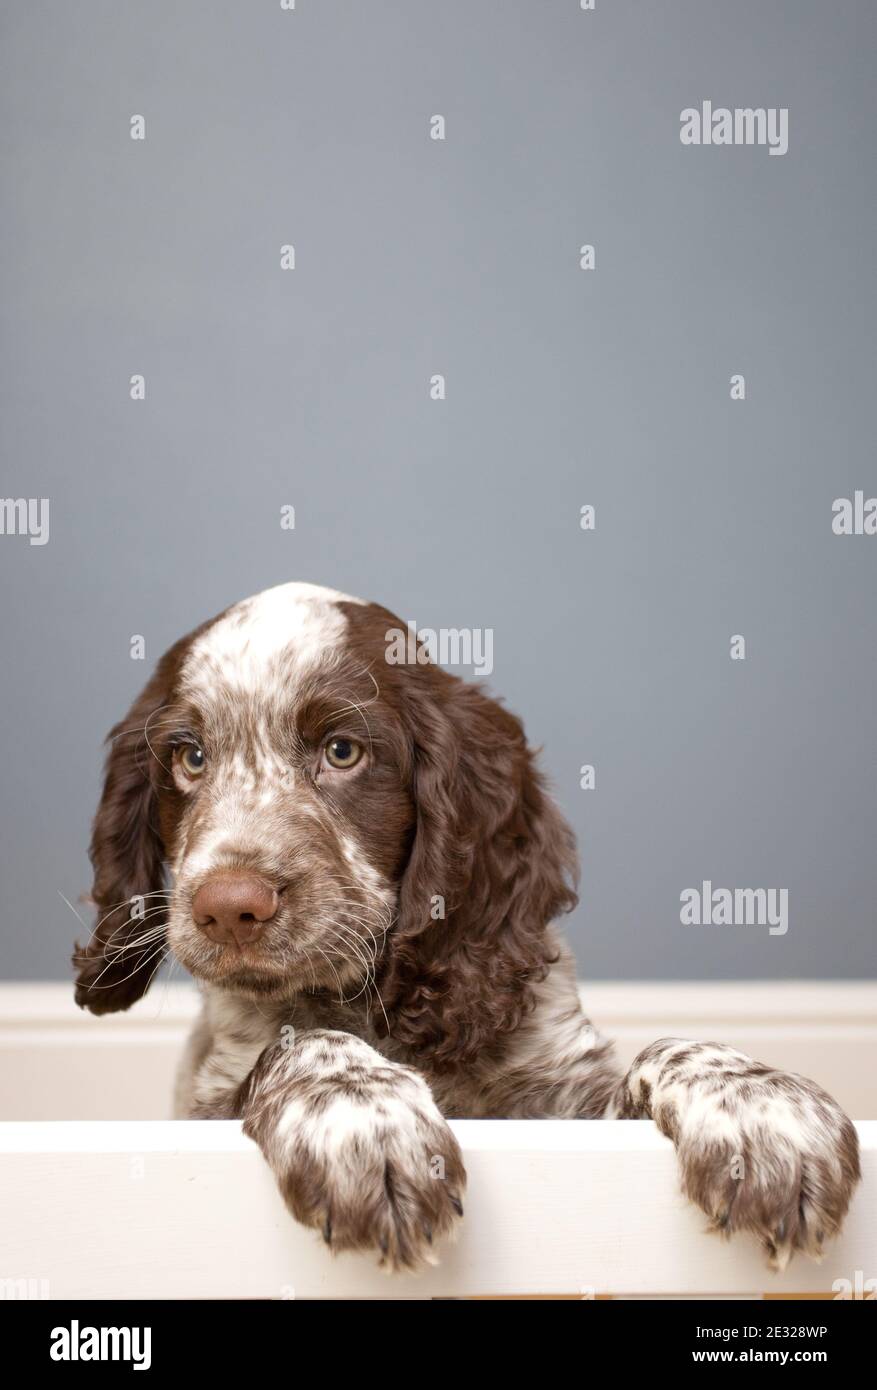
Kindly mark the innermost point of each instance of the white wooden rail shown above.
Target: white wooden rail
(156, 1209)
(145, 1208)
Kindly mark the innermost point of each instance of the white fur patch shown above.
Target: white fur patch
(298, 623)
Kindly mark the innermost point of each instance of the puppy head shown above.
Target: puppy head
(325, 821)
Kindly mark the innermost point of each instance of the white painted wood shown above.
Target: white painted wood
(173, 1210)
(57, 1062)
(117, 1205)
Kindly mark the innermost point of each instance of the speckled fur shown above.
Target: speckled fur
(362, 1022)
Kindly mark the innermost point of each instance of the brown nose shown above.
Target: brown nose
(234, 907)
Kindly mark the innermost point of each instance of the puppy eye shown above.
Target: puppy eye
(343, 753)
(192, 759)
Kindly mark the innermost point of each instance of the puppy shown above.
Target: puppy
(366, 872)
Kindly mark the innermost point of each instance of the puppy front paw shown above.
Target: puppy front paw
(371, 1165)
(759, 1150)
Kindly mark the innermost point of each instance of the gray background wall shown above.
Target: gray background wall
(564, 387)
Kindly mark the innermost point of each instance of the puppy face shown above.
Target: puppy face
(284, 797)
(297, 813)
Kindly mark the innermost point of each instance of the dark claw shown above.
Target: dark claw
(456, 1204)
(427, 1231)
(327, 1230)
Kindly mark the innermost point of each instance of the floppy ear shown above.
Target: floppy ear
(116, 964)
(490, 842)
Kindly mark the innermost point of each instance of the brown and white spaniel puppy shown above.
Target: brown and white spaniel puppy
(365, 873)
